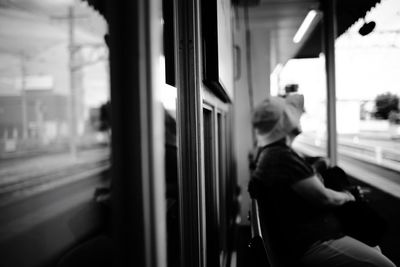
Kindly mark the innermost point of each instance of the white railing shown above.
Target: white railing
(376, 154)
(376, 176)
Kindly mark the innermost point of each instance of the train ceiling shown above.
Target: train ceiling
(348, 12)
(282, 18)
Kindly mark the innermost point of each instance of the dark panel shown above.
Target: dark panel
(99, 5)
(211, 57)
(169, 41)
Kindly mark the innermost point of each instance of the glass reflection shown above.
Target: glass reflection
(54, 134)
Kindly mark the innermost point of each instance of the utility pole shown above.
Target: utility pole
(72, 98)
(24, 108)
(73, 68)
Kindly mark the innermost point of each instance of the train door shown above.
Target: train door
(206, 182)
(216, 181)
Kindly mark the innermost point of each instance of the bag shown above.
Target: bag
(359, 220)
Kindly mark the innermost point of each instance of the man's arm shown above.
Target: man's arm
(314, 190)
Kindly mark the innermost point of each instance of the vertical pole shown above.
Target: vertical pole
(329, 9)
(189, 135)
(138, 199)
(72, 98)
(23, 98)
(39, 121)
(249, 70)
(273, 60)
(248, 57)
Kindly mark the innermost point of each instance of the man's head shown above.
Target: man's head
(276, 117)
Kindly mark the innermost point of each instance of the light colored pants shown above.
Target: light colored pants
(344, 252)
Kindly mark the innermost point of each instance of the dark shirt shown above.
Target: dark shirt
(296, 222)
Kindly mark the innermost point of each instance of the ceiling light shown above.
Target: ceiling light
(305, 25)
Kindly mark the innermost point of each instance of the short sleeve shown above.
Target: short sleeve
(281, 166)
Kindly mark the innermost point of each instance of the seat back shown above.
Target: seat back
(260, 242)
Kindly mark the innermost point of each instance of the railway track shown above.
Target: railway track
(20, 180)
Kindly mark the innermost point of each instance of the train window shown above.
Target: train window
(211, 187)
(168, 98)
(54, 129)
(368, 92)
(172, 188)
(222, 191)
(367, 99)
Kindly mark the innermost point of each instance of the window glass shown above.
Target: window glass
(172, 188)
(367, 99)
(54, 129)
(212, 246)
(168, 95)
(168, 98)
(222, 187)
(368, 89)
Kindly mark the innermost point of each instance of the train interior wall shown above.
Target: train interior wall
(252, 85)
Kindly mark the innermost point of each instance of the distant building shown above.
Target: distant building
(46, 115)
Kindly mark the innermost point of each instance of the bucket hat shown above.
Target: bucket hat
(276, 117)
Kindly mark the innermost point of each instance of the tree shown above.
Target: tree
(385, 103)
